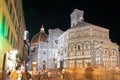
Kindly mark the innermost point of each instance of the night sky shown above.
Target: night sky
(56, 14)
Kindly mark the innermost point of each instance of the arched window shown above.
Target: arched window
(114, 52)
(98, 57)
(87, 45)
(114, 56)
(79, 46)
(106, 57)
(106, 52)
(71, 49)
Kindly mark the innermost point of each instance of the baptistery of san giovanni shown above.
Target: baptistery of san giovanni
(81, 44)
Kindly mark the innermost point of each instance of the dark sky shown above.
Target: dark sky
(56, 14)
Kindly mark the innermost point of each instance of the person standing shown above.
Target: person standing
(8, 75)
(39, 76)
(14, 75)
(89, 72)
(26, 75)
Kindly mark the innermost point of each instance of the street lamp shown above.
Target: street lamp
(26, 41)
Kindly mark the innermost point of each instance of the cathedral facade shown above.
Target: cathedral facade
(81, 44)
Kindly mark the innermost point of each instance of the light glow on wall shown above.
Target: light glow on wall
(1, 21)
(4, 31)
(4, 44)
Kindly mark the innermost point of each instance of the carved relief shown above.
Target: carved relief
(86, 33)
(80, 35)
(100, 33)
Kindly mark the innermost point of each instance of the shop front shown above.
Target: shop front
(5, 47)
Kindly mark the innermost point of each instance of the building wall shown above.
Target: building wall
(87, 43)
(12, 26)
(47, 51)
(87, 49)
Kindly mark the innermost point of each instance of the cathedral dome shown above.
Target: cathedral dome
(39, 37)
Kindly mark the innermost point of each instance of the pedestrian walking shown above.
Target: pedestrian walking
(14, 75)
(39, 76)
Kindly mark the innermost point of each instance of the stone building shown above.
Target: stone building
(12, 27)
(81, 44)
(44, 48)
(85, 42)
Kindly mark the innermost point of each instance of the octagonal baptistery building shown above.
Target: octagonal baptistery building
(87, 43)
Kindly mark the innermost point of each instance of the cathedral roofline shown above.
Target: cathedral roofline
(84, 24)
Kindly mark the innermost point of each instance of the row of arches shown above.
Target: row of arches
(109, 57)
(79, 46)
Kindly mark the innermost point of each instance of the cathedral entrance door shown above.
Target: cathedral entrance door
(44, 64)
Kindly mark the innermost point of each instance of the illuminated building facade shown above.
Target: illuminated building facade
(44, 48)
(87, 43)
(12, 28)
(81, 44)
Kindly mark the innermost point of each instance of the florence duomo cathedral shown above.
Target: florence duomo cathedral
(82, 43)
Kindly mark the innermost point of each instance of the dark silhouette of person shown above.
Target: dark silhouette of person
(26, 75)
(89, 72)
(39, 76)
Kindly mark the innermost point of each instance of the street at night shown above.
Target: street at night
(59, 40)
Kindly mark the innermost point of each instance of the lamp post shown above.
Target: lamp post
(26, 42)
